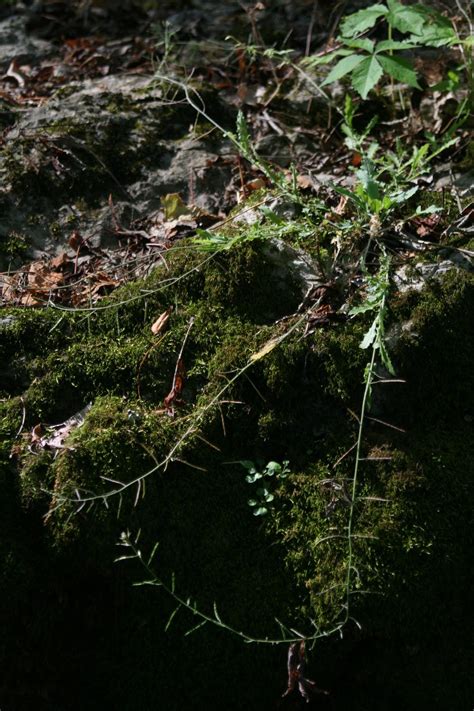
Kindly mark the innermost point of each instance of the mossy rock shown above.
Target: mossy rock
(412, 529)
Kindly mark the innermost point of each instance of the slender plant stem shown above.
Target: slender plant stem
(355, 476)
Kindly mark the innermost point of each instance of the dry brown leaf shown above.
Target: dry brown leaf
(60, 261)
(160, 322)
(174, 396)
(340, 209)
(305, 182)
(256, 184)
(36, 433)
(8, 288)
(41, 279)
(13, 72)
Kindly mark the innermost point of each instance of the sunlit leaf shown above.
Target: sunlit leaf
(272, 468)
(174, 206)
(363, 308)
(387, 45)
(404, 195)
(324, 58)
(366, 175)
(370, 336)
(207, 241)
(362, 20)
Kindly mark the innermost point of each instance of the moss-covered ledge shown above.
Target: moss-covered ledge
(296, 403)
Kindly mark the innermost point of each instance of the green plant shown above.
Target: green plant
(376, 301)
(385, 181)
(366, 60)
(374, 338)
(263, 496)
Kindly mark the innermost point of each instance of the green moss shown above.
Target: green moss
(440, 336)
(14, 245)
(10, 425)
(411, 524)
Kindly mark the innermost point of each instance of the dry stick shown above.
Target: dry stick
(350, 523)
(343, 456)
(203, 617)
(309, 35)
(336, 14)
(148, 292)
(386, 424)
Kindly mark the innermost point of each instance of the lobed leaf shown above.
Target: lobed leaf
(370, 336)
(316, 61)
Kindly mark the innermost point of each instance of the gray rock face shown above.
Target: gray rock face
(113, 136)
(15, 43)
(414, 277)
(292, 263)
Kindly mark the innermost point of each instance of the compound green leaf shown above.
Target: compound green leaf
(366, 75)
